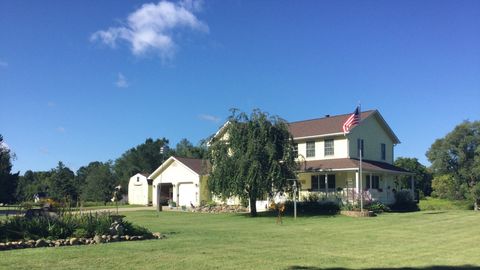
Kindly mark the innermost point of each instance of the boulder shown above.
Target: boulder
(98, 239)
(74, 241)
(41, 243)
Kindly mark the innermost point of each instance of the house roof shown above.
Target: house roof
(344, 164)
(144, 174)
(198, 166)
(322, 126)
(195, 164)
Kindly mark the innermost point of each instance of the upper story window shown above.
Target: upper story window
(138, 179)
(360, 147)
(383, 149)
(311, 149)
(295, 150)
(329, 149)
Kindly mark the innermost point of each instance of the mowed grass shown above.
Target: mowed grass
(228, 241)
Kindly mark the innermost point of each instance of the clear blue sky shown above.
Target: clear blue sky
(86, 80)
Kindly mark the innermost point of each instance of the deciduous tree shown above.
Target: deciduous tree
(423, 178)
(458, 155)
(8, 180)
(99, 181)
(255, 158)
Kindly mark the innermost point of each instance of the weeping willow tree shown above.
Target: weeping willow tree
(253, 157)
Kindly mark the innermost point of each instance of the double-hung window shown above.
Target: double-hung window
(310, 148)
(375, 182)
(295, 150)
(329, 148)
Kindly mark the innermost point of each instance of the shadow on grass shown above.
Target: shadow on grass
(433, 267)
(273, 214)
(434, 213)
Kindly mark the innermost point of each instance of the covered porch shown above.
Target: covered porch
(339, 179)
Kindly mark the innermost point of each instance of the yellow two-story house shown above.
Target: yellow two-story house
(329, 159)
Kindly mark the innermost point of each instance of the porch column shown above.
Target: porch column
(357, 183)
(175, 194)
(326, 184)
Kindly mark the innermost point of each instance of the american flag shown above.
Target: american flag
(352, 121)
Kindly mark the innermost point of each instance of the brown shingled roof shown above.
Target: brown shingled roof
(349, 163)
(321, 126)
(200, 166)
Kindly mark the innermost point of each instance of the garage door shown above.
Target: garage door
(186, 194)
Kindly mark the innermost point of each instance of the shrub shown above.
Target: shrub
(80, 233)
(404, 201)
(430, 203)
(314, 207)
(311, 197)
(377, 207)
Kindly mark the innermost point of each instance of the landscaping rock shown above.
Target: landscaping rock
(157, 235)
(41, 243)
(98, 239)
(74, 241)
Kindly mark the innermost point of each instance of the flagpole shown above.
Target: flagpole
(361, 178)
(361, 154)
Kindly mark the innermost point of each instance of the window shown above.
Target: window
(329, 148)
(360, 146)
(318, 182)
(383, 151)
(311, 149)
(315, 182)
(375, 182)
(138, 179)
(295, 150)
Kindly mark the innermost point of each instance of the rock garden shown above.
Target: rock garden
(49, 228)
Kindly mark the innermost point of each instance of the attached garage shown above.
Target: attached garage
(179, 179)
(186, 193)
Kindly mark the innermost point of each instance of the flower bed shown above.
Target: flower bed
(48, 229)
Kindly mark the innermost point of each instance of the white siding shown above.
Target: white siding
(373, 135)
(340, 148)
(178, 174)
(138, 190)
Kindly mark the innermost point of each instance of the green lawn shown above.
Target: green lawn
(228, 241)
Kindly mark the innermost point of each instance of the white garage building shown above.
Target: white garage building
(140, 189)
(179, 179)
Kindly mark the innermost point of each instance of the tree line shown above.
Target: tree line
(264, 152)
(92, 182)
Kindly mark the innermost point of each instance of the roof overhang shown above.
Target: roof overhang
(319, 136)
